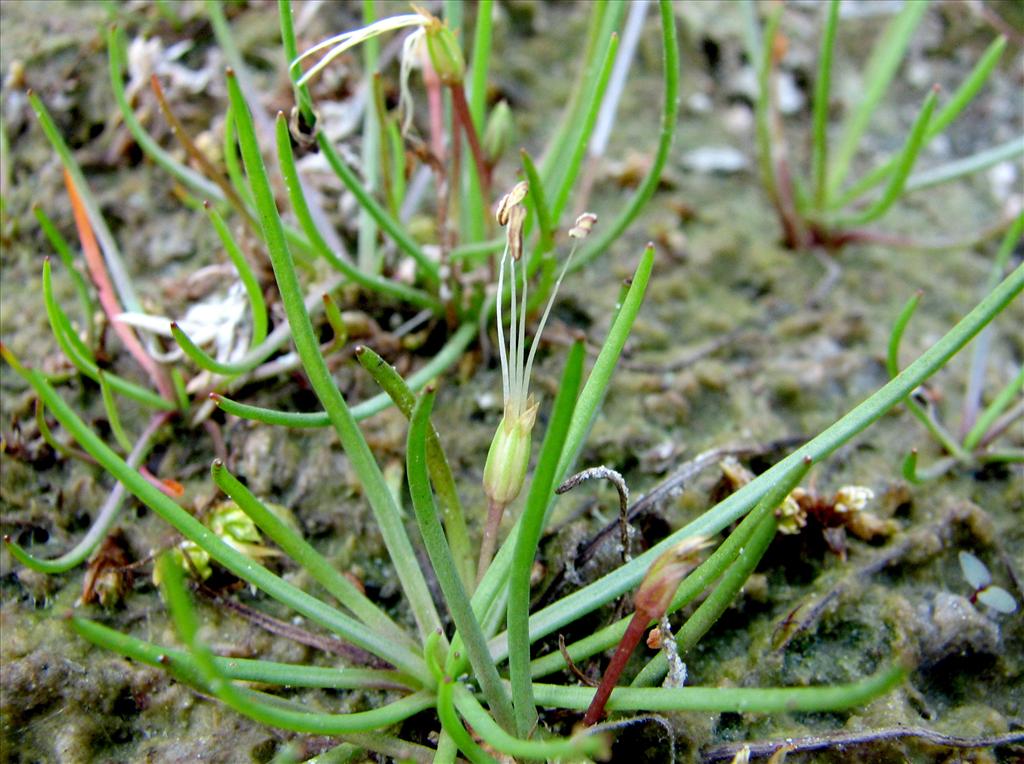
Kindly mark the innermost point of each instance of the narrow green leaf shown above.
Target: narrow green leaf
(607, 588)
(909, 468)
(388, 224)
(550, 749)
(291, 52)
(236, 562)
(881, 67)
(257, 307)
(107, 514)
(385, 375)
(893, 367)
(746, 554)
(537, 200)
(113, 417)
(60, 245)
(964, 166)
(108, 244)
(901, 171)
(607, 234)
(231, 161)
(578, 147)
(1007, 395)
(381, 500)
(296, 547)
(79, 355)
(765, 97)
(731, 699)
(446, 357)
(182, 664)
(117, 60)
(940, 121)
(204, 360)
(531, 525)
(301, 208)
(262, 707)
(444, 564)
(822, 90)
(605, 19)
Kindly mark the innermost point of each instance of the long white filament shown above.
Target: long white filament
(505, 389)
(347, 40)
(513, 344)
(544, 318)
(524, 381)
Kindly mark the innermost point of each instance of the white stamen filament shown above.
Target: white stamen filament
(513, 344)
(347, 40)
(505, 391)
(544, 317)
(524, 381)
(516, 364)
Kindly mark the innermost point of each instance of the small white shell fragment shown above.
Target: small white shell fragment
(975, 572)
(998, 599)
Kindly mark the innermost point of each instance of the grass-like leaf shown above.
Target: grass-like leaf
(942, 118)
(822, 89)
(834, 697)
(63, 250)
(900, 173)
(263, 709)
(79, 355)
(296, 547)
(881, 67)
(381, 499)
(531, 525)
(299, 205)
(437, 463)
(236, 562)
(444, 566)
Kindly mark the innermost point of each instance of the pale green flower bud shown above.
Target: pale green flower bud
(509, 456)
(499, 133)
(445, 53)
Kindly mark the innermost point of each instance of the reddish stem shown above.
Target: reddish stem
(435, 108)
(107, 295)
(630, 639)
(461, 110)
(490, 540)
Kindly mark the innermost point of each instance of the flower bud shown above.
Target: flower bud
(445, 53)
(499, 133)
(509, 456)
(664, 576)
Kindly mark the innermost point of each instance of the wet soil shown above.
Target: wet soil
(798, 340)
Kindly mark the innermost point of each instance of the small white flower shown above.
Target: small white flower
(853, 498)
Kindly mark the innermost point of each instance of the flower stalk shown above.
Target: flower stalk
(509, 453)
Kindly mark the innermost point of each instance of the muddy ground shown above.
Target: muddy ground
(792, 350)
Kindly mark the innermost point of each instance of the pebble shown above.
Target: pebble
(722, 160)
